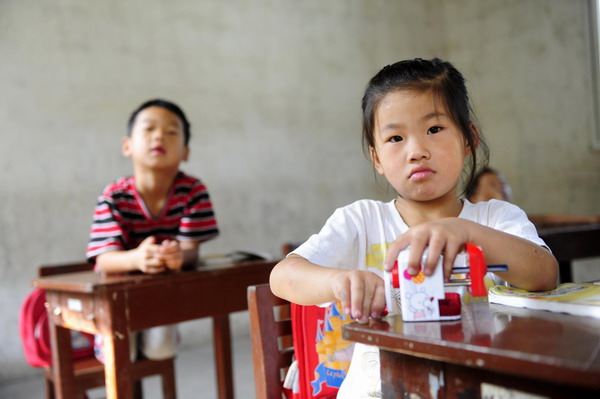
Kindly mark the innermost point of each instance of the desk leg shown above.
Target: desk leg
(222, 346)
(62, 361)
(117, 363)
(117, 367)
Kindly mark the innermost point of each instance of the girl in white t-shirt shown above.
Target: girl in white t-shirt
(420, 132)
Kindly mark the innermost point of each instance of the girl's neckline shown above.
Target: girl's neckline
(397, 211)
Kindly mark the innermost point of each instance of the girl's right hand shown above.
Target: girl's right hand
(443, 237)
(362, 294)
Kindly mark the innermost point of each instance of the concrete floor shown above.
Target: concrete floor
(194, 372)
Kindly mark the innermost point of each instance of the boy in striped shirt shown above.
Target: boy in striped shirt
(156, 219)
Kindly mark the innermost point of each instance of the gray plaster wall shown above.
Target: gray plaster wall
(272, 89)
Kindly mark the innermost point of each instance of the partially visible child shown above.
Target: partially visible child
(420, 132)
(154, 220)
(488, 184)
(491, 184)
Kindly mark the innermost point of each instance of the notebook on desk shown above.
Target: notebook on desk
(581, 299)
(235, 256)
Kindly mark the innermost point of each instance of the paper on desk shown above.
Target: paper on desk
(417, 298)
(420, 294)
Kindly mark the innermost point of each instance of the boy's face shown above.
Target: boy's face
(156, 140)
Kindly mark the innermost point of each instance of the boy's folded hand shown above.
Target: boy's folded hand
(172, 255)
(149, 258)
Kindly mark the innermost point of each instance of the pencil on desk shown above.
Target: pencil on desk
(465, 281)
(490, 268)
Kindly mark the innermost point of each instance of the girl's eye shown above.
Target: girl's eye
(395, 139)
(434, 130)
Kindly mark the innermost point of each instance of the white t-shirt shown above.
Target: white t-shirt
(356, 237)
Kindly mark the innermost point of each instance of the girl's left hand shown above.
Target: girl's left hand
(441, 237)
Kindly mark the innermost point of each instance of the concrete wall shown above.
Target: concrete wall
(529, 68)
(272, 89)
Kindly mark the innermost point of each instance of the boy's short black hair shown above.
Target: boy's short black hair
(167, 105)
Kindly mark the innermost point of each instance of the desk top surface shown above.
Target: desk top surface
(88, 282)
(573, 241)
(537, 344)
(568, 228)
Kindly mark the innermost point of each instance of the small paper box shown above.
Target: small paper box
(418, 297)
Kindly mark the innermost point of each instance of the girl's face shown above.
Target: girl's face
(418, 148)
(156, 140)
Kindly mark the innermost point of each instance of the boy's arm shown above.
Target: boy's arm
(175, 254)
(149, 257)
(143, 258)
(305, 283)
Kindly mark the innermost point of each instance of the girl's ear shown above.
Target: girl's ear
(375, 160)
(186, 154)
(476, 136)
(126, 146)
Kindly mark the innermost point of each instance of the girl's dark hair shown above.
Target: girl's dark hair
(445, 82)
(174, 108)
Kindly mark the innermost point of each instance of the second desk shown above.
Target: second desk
(114, 306)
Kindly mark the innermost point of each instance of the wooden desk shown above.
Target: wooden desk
(548, 354)
(571, 242)
(114, 306)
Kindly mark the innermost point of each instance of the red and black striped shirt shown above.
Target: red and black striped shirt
(122, 220)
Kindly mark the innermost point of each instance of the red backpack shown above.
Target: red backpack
(35, 333)
(322, 354)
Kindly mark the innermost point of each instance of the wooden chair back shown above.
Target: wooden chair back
(52, 270)
(271, 335)
(89, 373)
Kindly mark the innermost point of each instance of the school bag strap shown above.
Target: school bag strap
(35, 332)
(322, 354)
